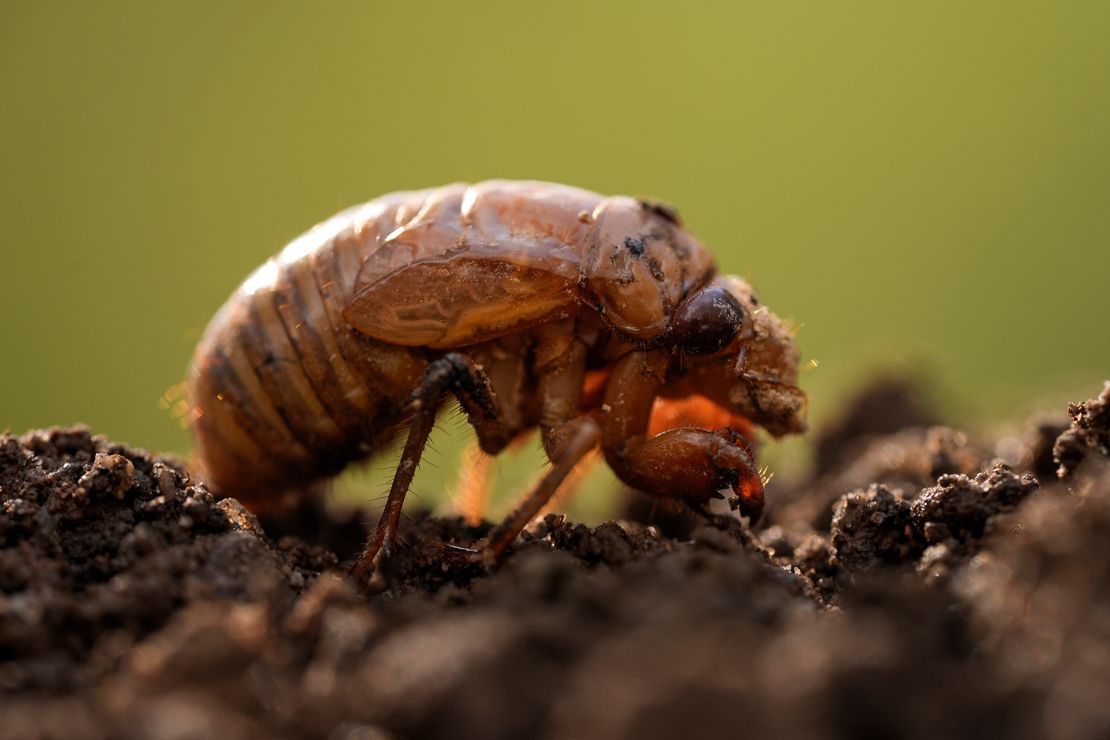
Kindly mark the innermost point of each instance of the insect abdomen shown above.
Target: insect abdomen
(284, 391)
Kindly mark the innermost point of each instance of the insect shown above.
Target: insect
(536, 305)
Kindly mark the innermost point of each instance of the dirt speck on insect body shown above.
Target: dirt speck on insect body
(634, 246)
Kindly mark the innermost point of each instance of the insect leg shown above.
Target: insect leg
(580, 436)
(570, 486)
(471, 492)
(559, 365)
(688, 463)
(452, 372)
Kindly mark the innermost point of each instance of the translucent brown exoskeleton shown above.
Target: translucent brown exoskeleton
(537, 306)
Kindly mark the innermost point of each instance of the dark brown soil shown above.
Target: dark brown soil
(916, 587)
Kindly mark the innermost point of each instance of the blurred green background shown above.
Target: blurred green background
(922, 186)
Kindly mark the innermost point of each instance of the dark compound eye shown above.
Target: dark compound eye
(707, 321)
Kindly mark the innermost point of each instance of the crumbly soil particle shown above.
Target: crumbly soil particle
(914, 588)
(1089, 432)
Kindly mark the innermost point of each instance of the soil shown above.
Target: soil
(922, 584)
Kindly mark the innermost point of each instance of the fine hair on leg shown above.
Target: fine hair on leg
(450, 373)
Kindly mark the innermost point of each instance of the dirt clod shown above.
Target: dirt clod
(961, 506)
(871, 527)
(1089, 430)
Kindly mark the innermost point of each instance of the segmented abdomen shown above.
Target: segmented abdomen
(283, 390)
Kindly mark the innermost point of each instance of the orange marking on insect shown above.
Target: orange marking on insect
(694, 411)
